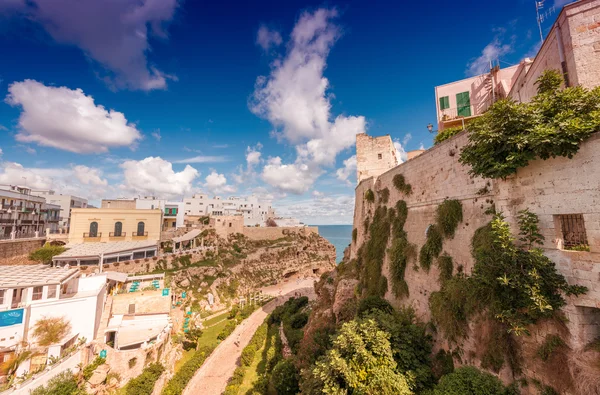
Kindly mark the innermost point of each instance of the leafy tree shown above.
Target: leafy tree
(511, 134)
(529, 230)
(64, 383)
(46, 253)
(468, 380)
(50, 330)
(447, 133)
(360, 362)
(284, 378)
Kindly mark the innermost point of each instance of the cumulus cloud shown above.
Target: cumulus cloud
(400, 151)
(490, 52)
(78, 180)
(113, 33)
(320, 209)
(67, 119)
(348, 170)
(268, 38)
(155, 176)
(217, 183)
(295, 100)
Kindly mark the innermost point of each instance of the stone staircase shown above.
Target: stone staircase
(105, 318)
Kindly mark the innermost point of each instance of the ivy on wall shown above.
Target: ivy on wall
(446, 134)
(401, 184)
(369, 195)
(510, 134)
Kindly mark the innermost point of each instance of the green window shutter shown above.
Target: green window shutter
(463, 104)
(444, 103)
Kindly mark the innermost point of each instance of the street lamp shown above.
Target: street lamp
(430, 128)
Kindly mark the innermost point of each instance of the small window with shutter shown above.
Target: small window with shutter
(444, 102)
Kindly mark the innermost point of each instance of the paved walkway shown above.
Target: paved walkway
(214, 374)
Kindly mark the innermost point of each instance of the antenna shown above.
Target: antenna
(538, 6)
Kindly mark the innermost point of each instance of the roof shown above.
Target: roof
(96, 249)
(34, 275)
(116, 276)
(188, 236)
(139, 329)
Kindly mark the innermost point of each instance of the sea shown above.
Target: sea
(338, 235)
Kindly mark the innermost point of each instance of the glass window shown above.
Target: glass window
(52, 291)
(150, 253)
(141, 228)
(37, 293)
(444, 102)
(124, 258)
(138, 255)
(94, 229)
(118, 228)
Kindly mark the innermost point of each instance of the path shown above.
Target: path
(214, 374)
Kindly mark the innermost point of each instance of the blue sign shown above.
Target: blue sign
(165, 292)
(11, 317)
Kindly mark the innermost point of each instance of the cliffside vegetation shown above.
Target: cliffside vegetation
(446, 134)
(510, 134)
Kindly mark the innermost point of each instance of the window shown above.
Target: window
(37, 293)
(230, 224)
(118, 229)
(139, 255)
(444, 103)
(573, 232)
(141, 228)
(150, 253)
(463, 104)
(2, 296)
(94, 229)
(51, 291)
(379, 156)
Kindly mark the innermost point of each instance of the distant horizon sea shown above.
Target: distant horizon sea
(338, 235)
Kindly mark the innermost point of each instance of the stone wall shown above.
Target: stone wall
(374, 155)
(548, 188)
(274, 233)
(14, 248)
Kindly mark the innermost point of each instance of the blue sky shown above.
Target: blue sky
(167, 97)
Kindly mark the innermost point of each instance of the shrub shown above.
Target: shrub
(144, 383)
(369, 196)
(354, 234)
(46, 253)
(179, 381)
(227, 330)
(88, 371)
(399, 254)
(132, 362)
(384, 195)
(510, 134)
(446, 267)
(443, 364)
(401, 184)
(284, 378)
(248, 354)
(299, 320)
(551, 344)
(371, 303)
(447, 133)
(468, 380)
(448, 215)
(373, 251)
(64, 383)
(432, 247)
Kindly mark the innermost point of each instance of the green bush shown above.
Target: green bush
(64, 383)
(46, 253)
(179, 381)
(448, 215)
(399, 254)
(384, 195)
(284, 378)
(432, 247)
(446, 266)
(88, 371)
(371, 303)
(468, 380)
(551, 344)
(553, 123)
(372, 253)
(447, 133)
(401, 184)
(227, 330)
(248, 355)
(298, 320)
(369, 196)
(144, 383)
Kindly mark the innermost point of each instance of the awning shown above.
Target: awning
(188, 236)
(116, 276)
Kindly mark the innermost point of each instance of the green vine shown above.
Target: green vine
(446, 266)
(432, 247)
(399, 254)
(369, 196)
(401, 184)
(372, 255)
(446, 134)
(384, 195)
(448, 215)
(510, 134)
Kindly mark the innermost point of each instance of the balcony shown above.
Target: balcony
(92, 236)
(117, 236)
(456, 116)
(140, 235)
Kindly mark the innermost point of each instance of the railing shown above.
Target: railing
(97, 234)
(135, 234)
(450, 114)
(20, 236)
(113, 234)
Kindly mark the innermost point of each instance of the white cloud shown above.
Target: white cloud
(68, 119)
(348, 170)
(267, 38)
(493, 51)
(204, 159)
(89, 176)
(320, 209)
(294, 178)
(406, 139)
(217, 183)
(253, 155)
(294, 99)
(2, 127)
(115, 34)
(154, 175)
(400, 151)
(156, 135)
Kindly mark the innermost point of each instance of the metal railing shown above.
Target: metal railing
(114, 234)
(450, 114)
(135, 234)
(97, 234)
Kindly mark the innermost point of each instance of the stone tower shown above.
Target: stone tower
(374, 155)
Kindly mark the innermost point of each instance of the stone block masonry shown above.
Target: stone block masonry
(374, 155)
(13, 248)
(549, 188)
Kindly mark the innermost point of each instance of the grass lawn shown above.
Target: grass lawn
(216, 319)
(209, 335)
(251, 374)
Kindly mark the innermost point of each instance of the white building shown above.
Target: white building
(66, 203)
(254, 211)
(31, 292)
(173, 212)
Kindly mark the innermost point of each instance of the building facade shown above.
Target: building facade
(374, 155)
(254, 211)
(113, 225)
(66, 203)
(22, 214)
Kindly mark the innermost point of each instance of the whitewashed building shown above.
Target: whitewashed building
(255, 211)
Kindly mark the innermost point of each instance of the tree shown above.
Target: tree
(63, 383)
(46, 253)
(50, 330)
(360, 362)
(469, 380)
